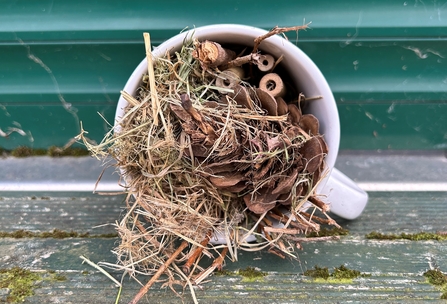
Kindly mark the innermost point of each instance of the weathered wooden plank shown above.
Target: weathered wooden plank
(273, 288)
(54, 254)
(396, 270)
(40, 211)
(394, 166)
(386, 212)
(396, 267)
(384, 257)
(396, 212)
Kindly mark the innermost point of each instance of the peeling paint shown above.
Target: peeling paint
(5, 110)
(10, 131)
(353, 37)
(423, 54)
(66, 105)
(391, 108)
(104, 56)
(30, 136)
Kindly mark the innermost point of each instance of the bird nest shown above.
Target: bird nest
(216, 157)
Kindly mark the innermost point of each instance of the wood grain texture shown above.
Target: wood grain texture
(396, 267)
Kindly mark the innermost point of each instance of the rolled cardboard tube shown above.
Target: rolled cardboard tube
(273, 84)
(230, 77)
(238, 71)
(266, 63)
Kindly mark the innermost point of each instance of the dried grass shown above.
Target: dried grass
(171, 194)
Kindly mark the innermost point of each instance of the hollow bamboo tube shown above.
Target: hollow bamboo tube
(266, 63)
(273, 84)
(230, 77)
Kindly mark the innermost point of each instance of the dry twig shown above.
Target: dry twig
(159, 272)
(276, 30)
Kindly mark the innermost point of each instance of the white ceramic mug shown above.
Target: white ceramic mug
(346, 199)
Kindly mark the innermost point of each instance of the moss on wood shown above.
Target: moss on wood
(58, 152)
(53, 151)
(436, 277)
(58, 277)
(251, 274)
(223, 272)
(339, 274)
(318, 273)
(21, 283)
(56, 234)
(343, 272)
(328, 232)
(420, 236)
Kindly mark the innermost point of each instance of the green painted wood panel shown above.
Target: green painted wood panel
(395, 125)
(382, 59)
(44, 125)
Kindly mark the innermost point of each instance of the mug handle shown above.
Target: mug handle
(345, 197)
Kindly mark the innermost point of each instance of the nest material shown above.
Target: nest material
(206, 152)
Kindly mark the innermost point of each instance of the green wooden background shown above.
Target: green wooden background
(63, 62)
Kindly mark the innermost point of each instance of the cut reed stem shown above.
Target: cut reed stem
(195, 255)
(150, 71)
(159, 272)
